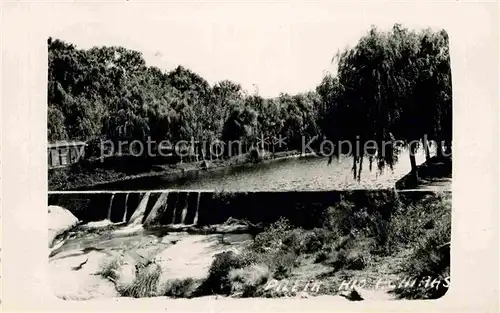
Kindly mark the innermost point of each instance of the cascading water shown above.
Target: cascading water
(124, 219)
(184, 210)
(138, 215)
(158, 209)
(110, 206)
(195, 221)
(175, 209)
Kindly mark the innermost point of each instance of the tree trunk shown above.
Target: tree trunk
(360, 165)
(426, 148)
(448, 148)
(413, 162)
(354, 165)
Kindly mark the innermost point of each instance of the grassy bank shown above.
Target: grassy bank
(89, 174)
(354, 243)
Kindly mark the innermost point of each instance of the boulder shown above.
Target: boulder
(60, 220)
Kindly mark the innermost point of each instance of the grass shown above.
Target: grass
(145, 283)
(109, 269)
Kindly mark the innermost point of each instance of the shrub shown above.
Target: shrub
(308, 241)
(218, 281)
(410, 224)
(430, 258)
(342, 218)
(322, 256)
(246, 281)
(282, 263)
(272, 237)
(145, 283)
(338, 259)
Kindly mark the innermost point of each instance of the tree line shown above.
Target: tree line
(393, 84)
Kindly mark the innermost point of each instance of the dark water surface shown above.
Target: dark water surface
(297, 174)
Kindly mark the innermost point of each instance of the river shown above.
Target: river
(297, 174)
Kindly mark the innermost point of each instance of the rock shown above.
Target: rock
(98, 224)
(60, 220)
(126, 273)
(352, 295)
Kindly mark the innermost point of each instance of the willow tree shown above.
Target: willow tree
(433, 88)
(391, 85)
(371, 101)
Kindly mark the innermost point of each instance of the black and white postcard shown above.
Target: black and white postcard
(276, 156)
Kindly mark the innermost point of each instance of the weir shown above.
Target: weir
(110, 207)
(138, 215)
(195, 221)
(201, 208)
(124, 219)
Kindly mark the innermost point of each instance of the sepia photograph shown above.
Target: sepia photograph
(250, 160)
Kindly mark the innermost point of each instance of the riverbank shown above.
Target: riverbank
(88, 175)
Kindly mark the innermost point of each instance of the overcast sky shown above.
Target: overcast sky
(277, 47)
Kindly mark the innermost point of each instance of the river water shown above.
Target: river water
(292, 174)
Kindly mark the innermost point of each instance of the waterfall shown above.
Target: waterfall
(124, 219)
(175, 208)
(195, 221)
(184, 211)
(110, 206)
(157, 211)
(138, 215)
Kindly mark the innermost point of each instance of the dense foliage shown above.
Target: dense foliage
(391, 85)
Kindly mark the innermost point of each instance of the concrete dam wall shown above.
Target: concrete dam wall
(204, 208)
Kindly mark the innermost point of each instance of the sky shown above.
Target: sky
(266, 47)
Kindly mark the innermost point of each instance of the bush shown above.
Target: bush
(301, 241)
(272, 237)
(180, 288)
(145, 283)
(342, 218)
(322, 256)
(218, 281)
(246, 281)
(410, 224)
(282, 264)
(430, 258)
